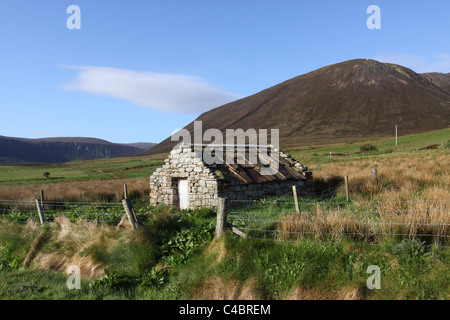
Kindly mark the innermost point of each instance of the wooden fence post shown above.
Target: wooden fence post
(130, 213)
(438, 242)
(375, 175)
(40, 212)
(42, 199)
(294, 191)
(221, 226)
(125, 191)
(346, 189)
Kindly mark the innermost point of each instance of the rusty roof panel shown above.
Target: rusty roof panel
(290, 173)
(249, 173)
(257, 177)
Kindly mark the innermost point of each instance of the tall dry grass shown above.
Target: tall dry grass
(421, 176)
(76, 191)
(90, 246)
(325, 224)
(406, 200)
(425, 221)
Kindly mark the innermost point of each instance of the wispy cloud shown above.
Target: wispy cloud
(437, 63)
(173, 93)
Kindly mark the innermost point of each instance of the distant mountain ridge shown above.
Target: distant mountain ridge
(348, 101)
(141, 145)
(57, 150)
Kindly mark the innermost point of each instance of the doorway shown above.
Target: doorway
(183, 194)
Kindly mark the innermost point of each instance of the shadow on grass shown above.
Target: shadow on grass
(326, 188)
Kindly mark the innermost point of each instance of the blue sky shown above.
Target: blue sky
(138, 70)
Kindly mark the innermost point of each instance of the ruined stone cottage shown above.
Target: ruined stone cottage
(187, 181)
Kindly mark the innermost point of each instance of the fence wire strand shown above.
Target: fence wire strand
(277, 219)
(22, 211)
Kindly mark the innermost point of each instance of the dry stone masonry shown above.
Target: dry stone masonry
(186, 181)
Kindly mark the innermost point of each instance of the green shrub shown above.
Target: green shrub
(410, 250)
(154, 278)
(186, 242)
(368, 148)
(163, 219)
(134, 257)
(7, 260)
(112, 280)
(198, 214)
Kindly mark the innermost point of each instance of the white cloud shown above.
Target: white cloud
(437, 63)
(173, 93)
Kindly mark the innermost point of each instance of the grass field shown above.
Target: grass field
(85, 170)
(411, 144)
(174, 255)
(139, 167)
(104, 179)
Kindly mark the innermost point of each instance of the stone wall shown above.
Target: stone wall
(184, 163)
(205, 185)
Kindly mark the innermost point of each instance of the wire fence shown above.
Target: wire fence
(22, 211)
(281, 219)
(284, 219)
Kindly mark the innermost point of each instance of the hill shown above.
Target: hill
(141, 145)
(349, 101)
(441, 80)
(57, 150)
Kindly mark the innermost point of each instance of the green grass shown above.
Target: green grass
(99, 169)
(174, 257)
(168, 238)
(92, 212)
(408, 271)
(386, 147)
